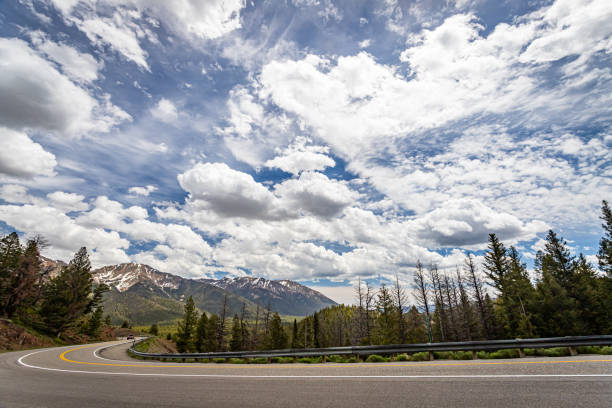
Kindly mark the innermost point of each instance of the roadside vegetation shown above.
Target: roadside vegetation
(39, 309)
(498, 300)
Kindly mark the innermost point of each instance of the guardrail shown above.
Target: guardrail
(359, 351)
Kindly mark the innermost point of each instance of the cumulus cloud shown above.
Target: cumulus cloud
(33, 94)
(315, 193)
(67, 201)
(23, 158)
(165, 111)
(465, 222)
(300, 156)
(16, 194)
(225, 191)
(142, 191)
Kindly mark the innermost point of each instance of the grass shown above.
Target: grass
(421, 356)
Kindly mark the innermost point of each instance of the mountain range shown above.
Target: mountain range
(142, 295)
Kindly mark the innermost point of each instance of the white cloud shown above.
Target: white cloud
(16, 194)
(64, 234)
(33, 94)
(165, 111)
(114, 32)
(365, 43)
(301, 156)
(142, 191)
(78, 66)
(228, 192)
(123, 25)
(67, 201)
(23, 158)
(316, 194)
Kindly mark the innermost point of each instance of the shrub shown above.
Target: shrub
(236, 361)
(352, 359)
(309, 360)
(420, 356)
(258, 360)
(218, 360)
(336, 359)
(401, 357)
(375, 358)
(462, 355)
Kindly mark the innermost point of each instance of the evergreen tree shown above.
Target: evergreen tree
(386, 332)
(478, 293)
(315, 328)
(294, 337)
(154, 330)
(186, 327)
(556, 311)
(68, 296)
(21, 286)
(517, 298)
(278, 337)
(107, 321)
(496, 263)
(212, 330)
(556, 259)
(236, 341)
(95, 321)
(604, 256)
(202, 334)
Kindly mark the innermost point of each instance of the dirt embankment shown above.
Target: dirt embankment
(14, 337)
(160, 345)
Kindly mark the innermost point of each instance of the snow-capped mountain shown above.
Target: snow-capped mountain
(285, 296)
(143, 295)
(122, 277)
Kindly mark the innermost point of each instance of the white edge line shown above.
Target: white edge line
(96, 355)
(481, 376)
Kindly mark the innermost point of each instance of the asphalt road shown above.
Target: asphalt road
(87, 376)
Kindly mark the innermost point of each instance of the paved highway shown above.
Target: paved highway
(102, 375)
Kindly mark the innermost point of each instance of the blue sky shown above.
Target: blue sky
(313, 140)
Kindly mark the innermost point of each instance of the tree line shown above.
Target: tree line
(495, 300)
(65, 305)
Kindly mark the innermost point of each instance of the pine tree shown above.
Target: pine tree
(68, 296)
(236, 341)
(315, 329)
(212, 330)
(557, 260)
(399, 297)
(278, 337)
(386, 332)
(20, 276)
(186, 328)
(201, 338)
(478, 293)
(496, 263)
(95, 321)
(154, 330)
(294, 337)
(421, 294)
(604, 256)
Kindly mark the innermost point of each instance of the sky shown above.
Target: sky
(315, 140)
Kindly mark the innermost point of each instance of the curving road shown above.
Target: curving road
(102, 375)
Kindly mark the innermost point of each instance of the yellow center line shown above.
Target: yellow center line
(191, 365)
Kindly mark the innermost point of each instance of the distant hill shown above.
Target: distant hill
(143, 295)
(285, 296)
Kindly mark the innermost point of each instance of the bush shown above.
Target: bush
(401, 357)
(169, 336)
(462, 355)
(443, 355)
(375, 358)
(236, 361)
(510, 353)
(218, 360)
(310, 360)
(352, 359)
(258, 360)
(336, 359)
(420, 356)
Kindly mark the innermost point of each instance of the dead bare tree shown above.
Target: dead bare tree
(421, 294)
